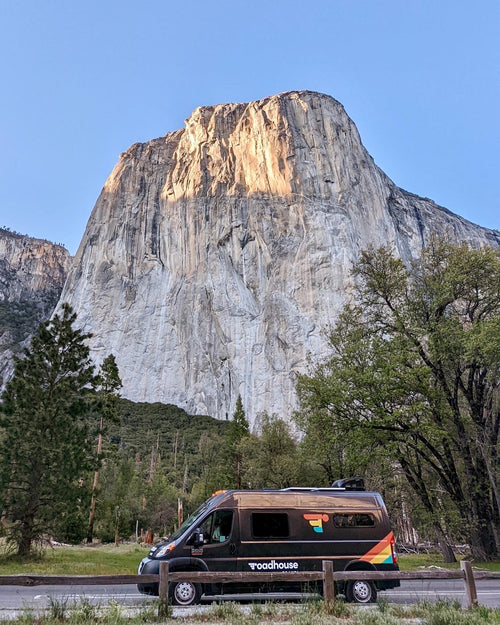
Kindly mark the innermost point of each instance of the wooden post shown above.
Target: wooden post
(328, 585)
(470, 584)
(163, 607)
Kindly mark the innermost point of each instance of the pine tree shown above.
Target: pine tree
(45, 432)
(109, 384)
(238, 430)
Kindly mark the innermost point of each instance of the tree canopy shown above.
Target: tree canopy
(46, 434)
(415, 370)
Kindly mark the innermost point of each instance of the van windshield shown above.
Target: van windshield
(190, 520)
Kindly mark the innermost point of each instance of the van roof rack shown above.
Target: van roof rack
(348, 483)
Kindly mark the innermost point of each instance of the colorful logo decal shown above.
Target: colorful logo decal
(316, 521)
(382, 552)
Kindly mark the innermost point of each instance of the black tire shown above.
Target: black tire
(361, 591)
(184, 593)
(148, 589)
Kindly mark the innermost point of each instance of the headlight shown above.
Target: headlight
(161, 550)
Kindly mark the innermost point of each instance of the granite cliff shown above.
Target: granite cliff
(216, 255)
(32, 275)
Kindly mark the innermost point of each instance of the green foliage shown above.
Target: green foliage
(76, 560)
(119, 503)
(231, 473)
(414, 376)
(142, 424)
(20, 319)
(271, 458)
(228, 612)
(238, 427)
(108, 384)
(153, 455)
(46, 434)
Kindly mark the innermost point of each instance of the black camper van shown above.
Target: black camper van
(278, 530)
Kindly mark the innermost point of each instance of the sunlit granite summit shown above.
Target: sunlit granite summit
(216, 255)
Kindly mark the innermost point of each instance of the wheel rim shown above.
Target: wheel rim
(185, 593)
(361, 591)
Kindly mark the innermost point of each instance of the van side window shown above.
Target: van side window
(216, 528)
(270, 525)
(353, 520)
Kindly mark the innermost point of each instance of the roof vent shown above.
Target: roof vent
(350, 483)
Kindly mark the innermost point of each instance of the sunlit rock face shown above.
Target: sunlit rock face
(32, 274)
(216, 256)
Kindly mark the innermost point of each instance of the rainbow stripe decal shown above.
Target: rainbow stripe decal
(316, 521)
(382, 552)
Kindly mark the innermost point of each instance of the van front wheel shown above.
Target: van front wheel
(185, 593)
(361, 591)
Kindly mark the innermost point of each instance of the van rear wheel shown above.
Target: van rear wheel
(185, 593)
(361, 591)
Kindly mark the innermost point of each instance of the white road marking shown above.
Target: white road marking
(87, 596)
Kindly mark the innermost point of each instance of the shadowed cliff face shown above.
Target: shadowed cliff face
(32, 274)
(216, 255)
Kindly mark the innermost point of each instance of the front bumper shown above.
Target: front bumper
(148, 566)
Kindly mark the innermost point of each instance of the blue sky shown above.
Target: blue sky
(82, 81)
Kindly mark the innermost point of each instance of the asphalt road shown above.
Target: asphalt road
(18, 599)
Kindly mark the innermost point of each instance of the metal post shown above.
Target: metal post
(328, 585)
(470, 584)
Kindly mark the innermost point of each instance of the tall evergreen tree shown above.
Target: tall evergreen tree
(46, 435)
(109, 384)
(238, 430)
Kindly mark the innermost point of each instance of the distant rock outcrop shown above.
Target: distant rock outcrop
(216, 255)
(32, 275)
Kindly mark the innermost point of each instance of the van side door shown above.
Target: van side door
(220, 539)
(267, 541)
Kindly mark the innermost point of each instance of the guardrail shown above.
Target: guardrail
(327, 576)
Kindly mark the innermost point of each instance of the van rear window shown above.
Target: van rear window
(353, 520)
(270, 525)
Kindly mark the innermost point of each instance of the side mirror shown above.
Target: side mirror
(197, 539)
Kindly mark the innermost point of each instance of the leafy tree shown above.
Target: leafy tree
(161, 503)
(415, 369)
(272, 458)
(120, 500)
(45, 433)
(336, 453)
(210, 453)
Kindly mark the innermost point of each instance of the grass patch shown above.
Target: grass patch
(109, 560)
(82, 560)
(444, 613)
(414, 562)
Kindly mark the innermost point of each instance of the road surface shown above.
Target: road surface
(17, 599)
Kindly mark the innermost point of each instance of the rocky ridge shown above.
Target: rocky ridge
(216, 255)
(32, 275)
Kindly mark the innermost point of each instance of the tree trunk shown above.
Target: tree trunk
(482, 539)
(444, 546)
(90, 530)
(117, 526)
(26, 538)
(482, 516)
